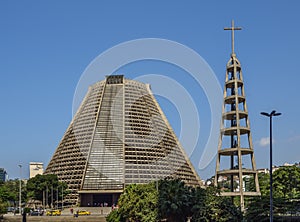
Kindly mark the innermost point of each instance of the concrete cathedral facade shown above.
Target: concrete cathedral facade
(118, 136)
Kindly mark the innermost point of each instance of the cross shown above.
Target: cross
(232, 28)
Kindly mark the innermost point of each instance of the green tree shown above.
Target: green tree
(264, 184)
(45, 184)
(137, 203)
(286, 192)
(115, 216)
(211, 206)
(175, 200)
(5, 194)
(3, 198)
(286, 181)
(3, 209)
(258, 209)
(9, 191)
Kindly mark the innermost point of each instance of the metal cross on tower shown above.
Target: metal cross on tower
(235, 146)
(232, 28)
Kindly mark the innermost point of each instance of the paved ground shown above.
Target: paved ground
(97, 214)
(93, 210)
(55, 219)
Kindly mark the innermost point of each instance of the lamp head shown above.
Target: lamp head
(273, 113)
(265, 114)
(277, 114)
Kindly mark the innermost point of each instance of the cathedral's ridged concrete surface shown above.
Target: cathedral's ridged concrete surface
(118, 136)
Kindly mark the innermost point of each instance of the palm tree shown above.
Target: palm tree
(174, 200)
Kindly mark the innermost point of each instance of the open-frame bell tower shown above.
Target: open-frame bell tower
(235, 142)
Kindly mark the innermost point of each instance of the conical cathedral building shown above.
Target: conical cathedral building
(118, 136)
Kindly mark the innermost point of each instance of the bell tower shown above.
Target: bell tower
(235, 159)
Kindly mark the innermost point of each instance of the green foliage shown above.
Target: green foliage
(175, 200)
(45, 183)
(3, 208)
(9, 191)
(226, 185)
(115, 216)
(137, 203)
(210, 206)
(5, 194)
(286, 194)
(40, 183)
(286, 182)
(258, 209)
(26, 210)
(264, 184)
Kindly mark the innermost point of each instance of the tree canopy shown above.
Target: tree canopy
(286, 193)
(47, 184)
(287, 182)
(9, 193)
(137, 203)
(173, 201)
(33, 189)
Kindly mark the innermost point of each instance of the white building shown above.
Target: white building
(35, 168)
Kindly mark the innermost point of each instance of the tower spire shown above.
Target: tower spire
(232, 28)
(235, 147)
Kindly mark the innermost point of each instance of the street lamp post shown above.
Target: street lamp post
(270, 115)
(20, 190)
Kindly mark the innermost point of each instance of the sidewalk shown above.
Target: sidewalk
(94, 210)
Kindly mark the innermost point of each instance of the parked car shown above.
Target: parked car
(53, 213)
(34, 213)
(83, 212)
(10, 209)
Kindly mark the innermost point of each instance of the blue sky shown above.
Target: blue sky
(46, 46)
